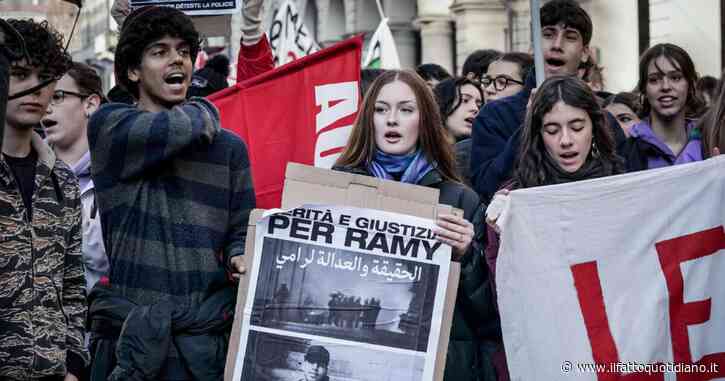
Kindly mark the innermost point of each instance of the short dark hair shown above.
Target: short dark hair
(448, 95)
(220, 64)
(432, 71)
(478, 61)
(524, 60)
(144, 26)
(628, 99)
(712, 123)
(367, 76)
(317, 354)
(44, 45)
(569, 13)
(87, 79)
(679, 58)
(709, 85)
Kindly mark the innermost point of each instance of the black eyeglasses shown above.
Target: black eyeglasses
(500, 82)
(59, 96)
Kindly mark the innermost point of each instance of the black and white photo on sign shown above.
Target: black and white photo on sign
(272, 357)
(344, 294)
(366, 279)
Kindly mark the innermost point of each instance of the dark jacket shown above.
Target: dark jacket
(147, 332)
(476, 331)
(496, 138)
(494, 142)
(463, 159)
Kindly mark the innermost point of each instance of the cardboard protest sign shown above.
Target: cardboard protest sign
(194, 7)
(301, 112)
(616, 278)
(366, 285)
(372, 288)
(289, 37)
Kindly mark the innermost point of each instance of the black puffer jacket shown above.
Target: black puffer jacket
(476, 331)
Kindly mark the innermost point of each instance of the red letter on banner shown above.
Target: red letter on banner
(591, 301)
(671, 254)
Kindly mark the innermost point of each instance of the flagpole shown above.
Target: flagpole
(380, 10)
(536, 41)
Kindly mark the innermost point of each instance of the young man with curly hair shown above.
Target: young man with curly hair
(174, 193)
(42, 298)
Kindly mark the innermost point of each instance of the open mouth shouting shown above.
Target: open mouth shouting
(393, 137)
(176, 81)
(48, 123)
(555, 64)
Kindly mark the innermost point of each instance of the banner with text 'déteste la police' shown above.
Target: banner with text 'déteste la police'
(194, 7)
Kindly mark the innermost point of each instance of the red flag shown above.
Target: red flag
(301, 112)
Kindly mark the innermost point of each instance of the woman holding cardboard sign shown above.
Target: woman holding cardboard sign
(397, 136)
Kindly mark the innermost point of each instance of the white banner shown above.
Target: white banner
(288, 36)
(194, 7)
(342, 293)
(618, 278)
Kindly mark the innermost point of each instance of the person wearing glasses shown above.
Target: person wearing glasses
(505, 76)
(78, 95)
(566, 30)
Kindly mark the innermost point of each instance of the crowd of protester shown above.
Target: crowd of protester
(120, 242)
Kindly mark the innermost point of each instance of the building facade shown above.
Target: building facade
(447, 31)
(35, 9)
(440, 31)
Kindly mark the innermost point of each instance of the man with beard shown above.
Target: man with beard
(174, 193)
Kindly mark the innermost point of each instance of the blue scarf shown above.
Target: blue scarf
(413, 166)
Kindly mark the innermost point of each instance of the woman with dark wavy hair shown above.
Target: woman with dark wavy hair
(565, 138)
(459, 100)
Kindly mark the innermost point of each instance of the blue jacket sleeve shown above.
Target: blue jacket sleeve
(494, 148)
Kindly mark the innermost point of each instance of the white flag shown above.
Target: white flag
(382, 53)
(289, 37)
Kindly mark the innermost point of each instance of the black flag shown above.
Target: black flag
(76, 2)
